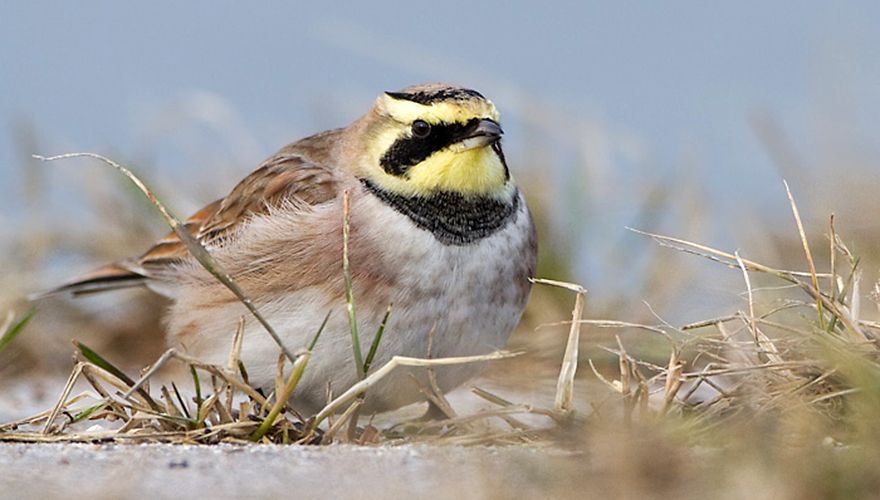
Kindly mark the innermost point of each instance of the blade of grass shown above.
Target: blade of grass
(13, 328)
(565, 382)
(361, 387)
(343, 419)
(68, 386)
(753, 327)
(198, 388)
(832, 239)
(374, 346)
(156, 366)
(719, 255)
(349, 293)
(299, 367)
(235, 351)
(809, 254)
(844, 291)
(283, 394)
(244, 374)
(87, 412)
(180, 400)
(320, 330)
(673, 381)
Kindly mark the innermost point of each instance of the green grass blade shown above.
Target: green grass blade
(320, 330)
(299, 367)
(88, 412)
(180, 401)
(97, 360)
(198, 387)
(375, 345)
(244, 373)
(16, 328)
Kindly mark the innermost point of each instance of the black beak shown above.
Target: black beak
(483, 133)
(487, 128)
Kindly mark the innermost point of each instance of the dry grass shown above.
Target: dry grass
(229, 410)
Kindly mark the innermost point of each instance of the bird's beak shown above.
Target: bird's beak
(483, 133)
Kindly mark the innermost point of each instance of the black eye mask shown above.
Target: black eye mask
(410, 150)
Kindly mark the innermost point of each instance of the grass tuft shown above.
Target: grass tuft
(12, 327)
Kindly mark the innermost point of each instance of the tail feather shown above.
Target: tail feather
(114, 276)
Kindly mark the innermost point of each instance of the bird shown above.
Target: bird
(439, 232)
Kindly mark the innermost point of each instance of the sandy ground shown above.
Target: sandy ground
(73, 471)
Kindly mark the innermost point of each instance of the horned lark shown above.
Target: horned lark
(438, 229)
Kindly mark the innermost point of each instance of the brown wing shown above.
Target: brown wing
(286, 176)
(282, 177)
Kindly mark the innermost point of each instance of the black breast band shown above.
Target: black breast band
(452, 218)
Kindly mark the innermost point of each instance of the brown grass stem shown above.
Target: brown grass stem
(807, 252)
(349, 288)
(565, 382)
(388, 367)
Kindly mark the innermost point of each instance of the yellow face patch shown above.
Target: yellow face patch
(473, 172)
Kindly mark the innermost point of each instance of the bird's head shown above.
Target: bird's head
(435, 138)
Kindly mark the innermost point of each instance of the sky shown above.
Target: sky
(604, 97)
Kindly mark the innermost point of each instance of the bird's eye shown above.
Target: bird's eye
(421, 129)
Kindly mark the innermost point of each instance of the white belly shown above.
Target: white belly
(459, 300)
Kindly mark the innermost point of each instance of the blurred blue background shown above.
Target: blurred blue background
(601, 101)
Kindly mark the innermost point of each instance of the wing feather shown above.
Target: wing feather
(287, 176)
